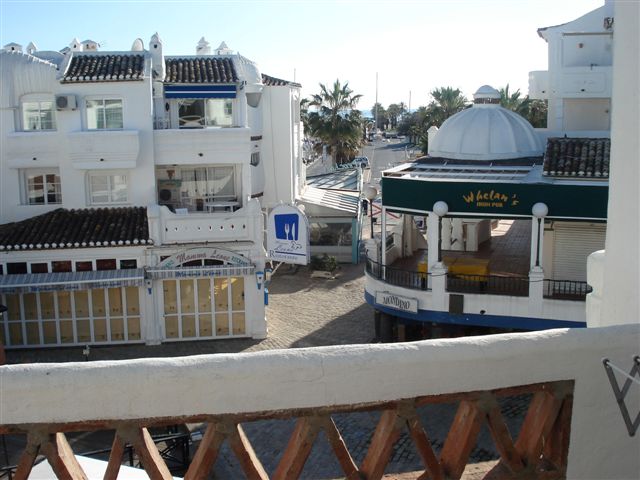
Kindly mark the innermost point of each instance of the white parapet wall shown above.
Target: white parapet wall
(600, 446)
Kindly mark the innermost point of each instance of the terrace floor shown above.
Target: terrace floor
(507, 251)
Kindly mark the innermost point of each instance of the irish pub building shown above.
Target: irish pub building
(133, 192)
(495, 224)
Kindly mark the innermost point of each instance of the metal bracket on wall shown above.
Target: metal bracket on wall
(621, 393)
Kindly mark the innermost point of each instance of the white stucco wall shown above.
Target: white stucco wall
(63, 147)
(621, 302)
(287, 379)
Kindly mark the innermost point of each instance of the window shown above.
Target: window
(38, 115)
(107, 188)
(205, 112)
(255, 159)
(42, 187)
(104, 114)
(208, 182)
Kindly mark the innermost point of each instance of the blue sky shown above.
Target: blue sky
(414, 46)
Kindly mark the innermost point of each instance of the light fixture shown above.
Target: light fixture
(539, 210)
(440, 208)
(370, 193)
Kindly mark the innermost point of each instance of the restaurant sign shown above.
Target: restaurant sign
(390, 300)
(288, 235)
(205, 253)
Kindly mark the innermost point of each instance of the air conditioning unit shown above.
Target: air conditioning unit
(66, 102)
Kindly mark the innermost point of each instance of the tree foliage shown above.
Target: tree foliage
(535, 111)
(331, 117)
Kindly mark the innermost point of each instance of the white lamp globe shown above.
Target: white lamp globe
(540, 210)
(440, 208)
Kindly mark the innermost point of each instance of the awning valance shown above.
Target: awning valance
(199, 91)
(47, 282)
(204, 271)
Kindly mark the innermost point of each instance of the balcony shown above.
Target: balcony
(572, 427)
(104, 149)
(582, 82)
(202, 145)
(33, 149)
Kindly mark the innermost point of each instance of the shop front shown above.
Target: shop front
(206, 293)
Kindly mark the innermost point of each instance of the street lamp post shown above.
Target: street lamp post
(539, 210)
(370, 193)
(440, 209)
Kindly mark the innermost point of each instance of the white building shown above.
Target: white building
(487, 164)
(132, 189)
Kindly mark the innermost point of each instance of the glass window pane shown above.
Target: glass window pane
(31, 116)
(222, 324)
(205, 325)
(106, 264)
(100, 330)
(171, 326)
(127, 264)
(119, 188)
(133, 304)
(133, 328)
(84, 330)
(61, 266)
(220, 294)
(15, 268)
(30, 303)
(33, 333)
(170, 297)
(204, 295)
(187, 300)
(47, 309)
(84, 266)
(49, 332)
(115, 302)
(94, 114)
(82, 303)
(64, 304)
(13, 306)
(97, 302)
(39, 267)
(47, 119)
(15, 333)
(188, 326)
(66, 331)
(117, 329)
(237, 293)
(113, 113)
(238, 323)
(191, 113)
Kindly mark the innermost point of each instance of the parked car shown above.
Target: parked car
(361, 162)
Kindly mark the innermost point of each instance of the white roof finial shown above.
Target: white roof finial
(203, 47)
(223, 49)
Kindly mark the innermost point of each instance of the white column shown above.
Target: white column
(457, 234)
(536, 232)
(432, 239)
(383, 236)
(446, 234)
(151, 319)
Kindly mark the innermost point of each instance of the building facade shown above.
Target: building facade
(497, 221)
(133, 192)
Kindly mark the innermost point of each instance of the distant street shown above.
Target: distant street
(384, 155)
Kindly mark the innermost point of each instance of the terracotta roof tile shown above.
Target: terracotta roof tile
(99, 227)
(105, 68)
(577, 157)
(200, 70)
(277, 82)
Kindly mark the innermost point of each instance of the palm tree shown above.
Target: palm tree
(335, 121)
(446, 101)
(513, 102)
(535, 111)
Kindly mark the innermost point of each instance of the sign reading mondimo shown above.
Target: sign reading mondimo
(288, 235)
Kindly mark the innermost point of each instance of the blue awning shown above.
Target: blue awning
(199, 91)
(47, 282)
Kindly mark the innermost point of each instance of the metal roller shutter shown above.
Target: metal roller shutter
(573, 243)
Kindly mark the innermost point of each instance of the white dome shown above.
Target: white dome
(485, 132)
